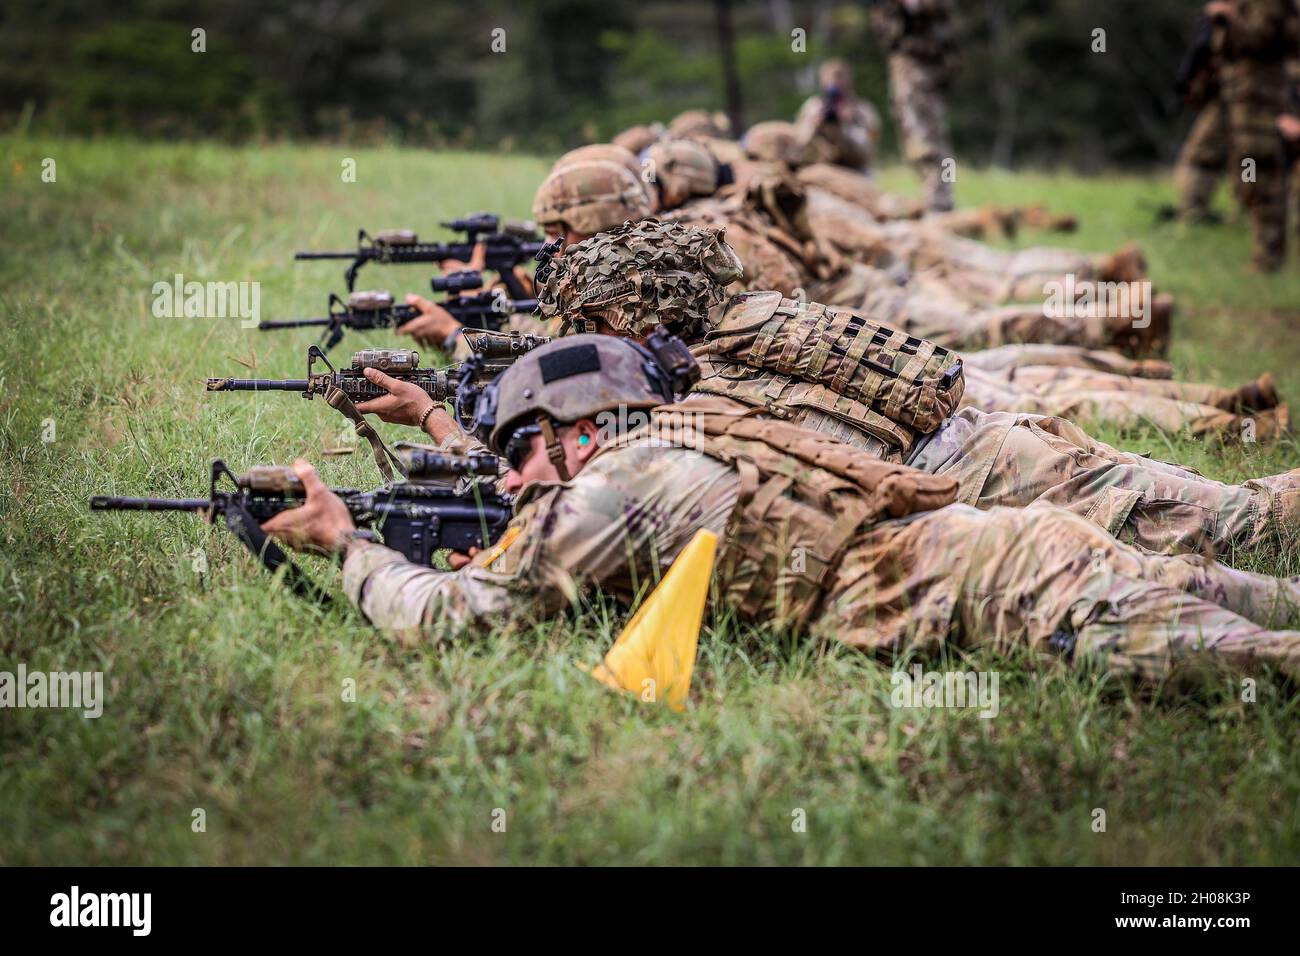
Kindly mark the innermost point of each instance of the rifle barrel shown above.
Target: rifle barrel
(292, 323)
(325, 255)
(257, 385)
(114, 503)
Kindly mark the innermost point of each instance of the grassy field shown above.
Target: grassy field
(224, 692)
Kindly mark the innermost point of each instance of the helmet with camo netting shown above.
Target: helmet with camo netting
(590, 196)
(683, 168)
(776, 141)
(641, 275)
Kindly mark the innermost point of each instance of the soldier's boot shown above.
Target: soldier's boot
(1037, 216)
(1276, 504)
(1153, 337)
(1128, 264)
(1008, 221)
(1267, 426)
(1152, 368)
(1257, 396)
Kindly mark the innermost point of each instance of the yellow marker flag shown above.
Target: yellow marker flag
(660, 642)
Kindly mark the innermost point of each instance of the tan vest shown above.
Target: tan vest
(792, 358)
(803, 498)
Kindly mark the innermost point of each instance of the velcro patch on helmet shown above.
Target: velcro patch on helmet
(564, 363)
(605, 291)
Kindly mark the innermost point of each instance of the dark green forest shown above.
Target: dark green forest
(1031, 88)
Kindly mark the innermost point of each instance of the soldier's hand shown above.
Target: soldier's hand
(1288, 124)
(405, 403)
(433, 326)
(477, 261)
(458, 559)
(322, 521)
(1219, 8)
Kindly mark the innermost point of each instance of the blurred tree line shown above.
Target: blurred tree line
(543, 75)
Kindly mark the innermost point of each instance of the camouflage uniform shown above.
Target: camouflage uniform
(1038, 576)
(1120, 401)
(973, 270)
(1256, 43)
(986, 221)
(776, 141)
(920, 62)
(1008, 358)
(859, 190)
(1000, 458)
(927, 307)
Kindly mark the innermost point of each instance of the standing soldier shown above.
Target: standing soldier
(1258, 38)
(837, 125)
(917, 35)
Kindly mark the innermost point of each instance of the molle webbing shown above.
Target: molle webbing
(908, 382)
(803, 498)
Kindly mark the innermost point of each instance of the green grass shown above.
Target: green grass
(224, 692)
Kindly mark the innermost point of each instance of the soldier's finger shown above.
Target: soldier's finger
(419, 301)
(311, 482)
(377, 406)
(386, 382)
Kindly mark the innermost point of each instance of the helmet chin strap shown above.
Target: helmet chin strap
(554, 450)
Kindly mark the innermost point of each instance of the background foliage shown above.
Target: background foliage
(1030, 89)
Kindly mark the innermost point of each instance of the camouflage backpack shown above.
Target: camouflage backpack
(803, 499)
(790, 357)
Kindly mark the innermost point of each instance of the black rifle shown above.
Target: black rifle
(508, 245)
(1195, 83)
(417, 517)
(343, 388)
(376, 309)
(832, 99)
(493, 353)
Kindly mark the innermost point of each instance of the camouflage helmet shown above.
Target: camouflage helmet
(777, 142)
(590, 196)
(579, 377)
(637, 138)
(700, 123)
(683, 168)
(641, 275)
(600, 152)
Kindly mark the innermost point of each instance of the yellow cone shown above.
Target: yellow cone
(654, 657)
